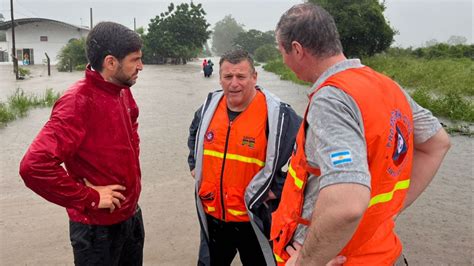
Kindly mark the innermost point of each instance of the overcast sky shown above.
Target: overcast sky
(417, 21)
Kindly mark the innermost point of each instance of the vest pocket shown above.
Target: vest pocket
(207, 194)
(235, 205)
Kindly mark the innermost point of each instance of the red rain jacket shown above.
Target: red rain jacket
(93, 131)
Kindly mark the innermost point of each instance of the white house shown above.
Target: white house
(36, 36)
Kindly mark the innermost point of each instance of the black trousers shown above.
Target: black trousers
(226, 238)
(117, 244)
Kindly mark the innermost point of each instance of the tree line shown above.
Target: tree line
(182, 33)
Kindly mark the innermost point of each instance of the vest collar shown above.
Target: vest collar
(339, 67)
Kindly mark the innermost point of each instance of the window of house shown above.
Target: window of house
(3, 56)
(43, 38)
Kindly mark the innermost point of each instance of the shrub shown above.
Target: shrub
(440, 50)
(266, 53)
(23, 72)
(80, 67)
(72, 55)
(278, 67)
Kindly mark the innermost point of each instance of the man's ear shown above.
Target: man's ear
(297, 48)
(109, 63)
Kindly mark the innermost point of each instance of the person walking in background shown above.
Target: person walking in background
(365, 152)
(210, 63)
(239, 140)
(208, 68)
(93, 131)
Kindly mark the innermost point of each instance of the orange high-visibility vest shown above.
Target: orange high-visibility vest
(233, 153)
(388, 129)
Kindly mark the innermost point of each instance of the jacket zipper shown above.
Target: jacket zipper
(127, 125)
(222, 171)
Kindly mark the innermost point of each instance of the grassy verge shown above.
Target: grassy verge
(444, 86)
(19, 103)
(277, 67)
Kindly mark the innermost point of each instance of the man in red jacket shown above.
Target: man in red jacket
(93, 131)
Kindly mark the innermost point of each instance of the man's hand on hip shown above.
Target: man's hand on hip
(294, 251)
(110, 197)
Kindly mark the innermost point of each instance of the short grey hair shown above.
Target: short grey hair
(236, 56)
(313, 27)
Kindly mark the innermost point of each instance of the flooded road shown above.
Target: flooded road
(437, 229)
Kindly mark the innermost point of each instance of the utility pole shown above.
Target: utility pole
(92, 24)
(15, 60)
(135, 24)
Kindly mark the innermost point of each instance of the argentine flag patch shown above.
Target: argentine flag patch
(341, 157)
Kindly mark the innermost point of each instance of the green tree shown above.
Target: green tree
(141, 32)
(361, 24)
(252, 39)
(206, 51)
(72, 55)
(225, 31)
(179, 34)
(266, 53)
(431, 42)
(456, 39)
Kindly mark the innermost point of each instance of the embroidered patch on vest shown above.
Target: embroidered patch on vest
(401, 147)
(400, 130)
(209, 136)
(341, 157)
(248, 141)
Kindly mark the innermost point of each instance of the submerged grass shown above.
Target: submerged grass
(20, 103)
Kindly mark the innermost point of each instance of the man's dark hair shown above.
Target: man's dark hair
(313, 27)
(237, 56)
(110, 38)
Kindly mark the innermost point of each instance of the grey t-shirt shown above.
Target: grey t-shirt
(335, 140)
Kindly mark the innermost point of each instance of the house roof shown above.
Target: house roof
(22, 21)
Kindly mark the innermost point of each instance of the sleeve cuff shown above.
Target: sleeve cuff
(92, 199)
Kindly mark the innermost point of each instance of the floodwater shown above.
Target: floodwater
(436, 230)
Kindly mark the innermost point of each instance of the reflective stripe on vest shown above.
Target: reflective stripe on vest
(236, 212)
(298, 182)
(278, 259)
(385, 197)
(236, 157)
